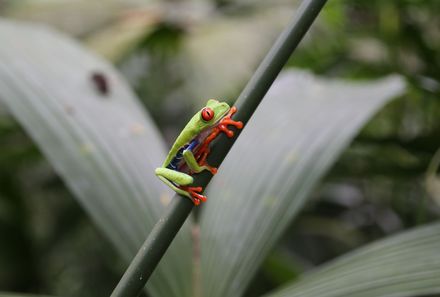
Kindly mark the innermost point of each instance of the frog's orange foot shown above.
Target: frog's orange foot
(223, 128)
(196, 197)
(226, 121)
(237, 124)
(211, 169)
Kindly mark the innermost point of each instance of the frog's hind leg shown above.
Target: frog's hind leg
(179, 181)
(174, 179)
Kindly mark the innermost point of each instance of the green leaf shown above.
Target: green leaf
(104, 146)
(298, 131)
(404, 265)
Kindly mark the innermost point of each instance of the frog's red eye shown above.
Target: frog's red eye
(207, 114)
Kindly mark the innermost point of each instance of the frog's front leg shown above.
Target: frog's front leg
(179, 181)
(194, 165)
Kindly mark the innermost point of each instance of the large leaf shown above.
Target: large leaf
(104, 146)
(297, 132)
(404, 265)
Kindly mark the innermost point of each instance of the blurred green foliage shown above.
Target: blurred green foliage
(375, 189)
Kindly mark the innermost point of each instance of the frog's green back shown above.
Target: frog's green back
(188, 133)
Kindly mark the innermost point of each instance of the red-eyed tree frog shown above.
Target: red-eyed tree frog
(191, 148)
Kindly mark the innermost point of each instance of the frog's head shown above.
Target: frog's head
(207, 117)
(213, 112)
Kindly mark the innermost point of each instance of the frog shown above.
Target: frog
(191, 148)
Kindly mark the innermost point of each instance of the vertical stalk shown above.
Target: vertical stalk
(197, 259)
(165, 230)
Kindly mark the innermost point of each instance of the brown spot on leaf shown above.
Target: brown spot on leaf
(100, 82)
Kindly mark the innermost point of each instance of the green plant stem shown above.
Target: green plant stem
(165, 230)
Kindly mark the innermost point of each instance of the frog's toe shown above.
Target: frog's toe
(224, 129)
(239, 124)
(194, 192)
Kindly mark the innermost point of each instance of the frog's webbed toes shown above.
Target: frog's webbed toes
(224, 129)
(194, 192)
(226, 121)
